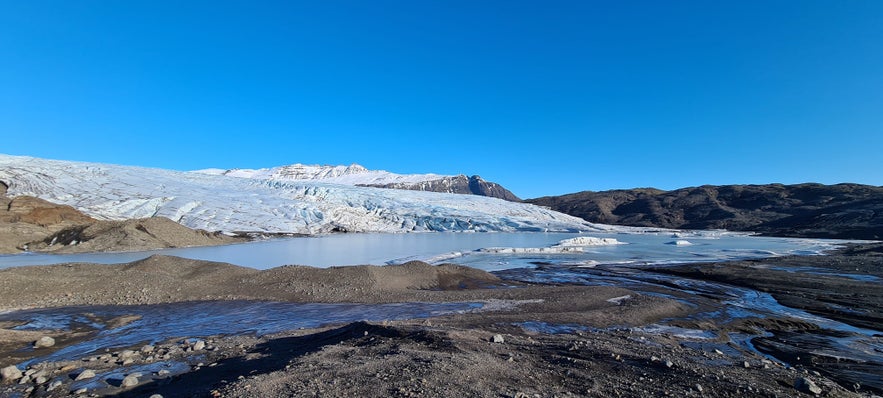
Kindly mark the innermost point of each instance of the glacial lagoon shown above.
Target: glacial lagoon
(663, 247)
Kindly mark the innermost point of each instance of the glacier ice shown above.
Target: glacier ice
(218, 202)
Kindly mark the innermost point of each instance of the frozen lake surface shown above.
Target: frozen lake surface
(465, 248)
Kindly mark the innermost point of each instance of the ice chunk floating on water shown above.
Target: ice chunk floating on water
(589, 241)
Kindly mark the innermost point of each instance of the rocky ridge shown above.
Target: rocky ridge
(461, 184)
(842, 211)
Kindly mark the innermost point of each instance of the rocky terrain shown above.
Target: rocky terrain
(461, 184)
(406, 359)
(842, 211)
(27, 219)
(37, 225)
(534, 340)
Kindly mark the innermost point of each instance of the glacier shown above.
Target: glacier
(218, 202)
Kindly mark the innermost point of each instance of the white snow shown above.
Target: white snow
(589, 241)
(353, 174)
(223, 203)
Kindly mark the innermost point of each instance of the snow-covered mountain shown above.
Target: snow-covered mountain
(218, 202)
(358, 175)
(353, 174)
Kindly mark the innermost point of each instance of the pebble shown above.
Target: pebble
(498, 338)
(129, 381)
(10, 373)
(746, 364)
(199, 345)
(55, 384)
(86, 374)
(669, 364)
(44, 341)
(699, 387)
(156, 396)
(81, 391)
(147, 349)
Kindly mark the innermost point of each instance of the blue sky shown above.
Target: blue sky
(543, 97)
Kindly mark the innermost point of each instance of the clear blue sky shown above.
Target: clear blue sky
(544, 97)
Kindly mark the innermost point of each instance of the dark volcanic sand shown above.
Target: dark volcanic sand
(606, 354)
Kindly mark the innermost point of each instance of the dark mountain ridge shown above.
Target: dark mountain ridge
(841, 211)
(461, 184)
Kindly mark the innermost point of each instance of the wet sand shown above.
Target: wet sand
(604, 342)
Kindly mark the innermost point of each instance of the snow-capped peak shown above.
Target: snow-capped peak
(353, 174)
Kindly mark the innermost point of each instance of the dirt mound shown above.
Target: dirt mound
(130, 235)
(37, 211)
(33, 224)
(163, 279)
(25, 219)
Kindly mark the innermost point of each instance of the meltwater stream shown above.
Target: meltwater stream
(851, 354)
(161, 322)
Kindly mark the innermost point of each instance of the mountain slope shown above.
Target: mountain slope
(223, 203)
(357, 175)
(846, 211)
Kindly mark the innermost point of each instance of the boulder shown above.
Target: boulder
(44, 341)
(10, 373)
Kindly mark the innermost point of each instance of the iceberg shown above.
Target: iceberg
(589, 241)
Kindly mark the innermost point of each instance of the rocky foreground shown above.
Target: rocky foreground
(601, 345)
